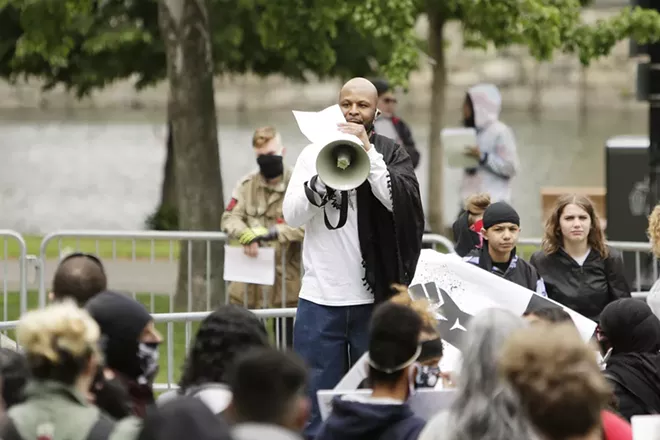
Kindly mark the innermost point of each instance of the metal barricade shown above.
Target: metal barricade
(437, 239)
(146, 264)
(14, 274)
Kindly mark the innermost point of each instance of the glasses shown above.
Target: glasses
(91, 257)
(389, 100)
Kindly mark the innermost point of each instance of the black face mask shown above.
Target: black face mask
(270, 165)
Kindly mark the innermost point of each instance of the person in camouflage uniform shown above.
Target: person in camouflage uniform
(254, 219)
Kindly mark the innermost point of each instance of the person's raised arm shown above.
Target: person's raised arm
(304, 184)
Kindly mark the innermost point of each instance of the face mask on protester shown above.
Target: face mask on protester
(148, 357)
(270, 165)
(427, 376)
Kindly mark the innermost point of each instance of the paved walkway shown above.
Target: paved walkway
(125, 275)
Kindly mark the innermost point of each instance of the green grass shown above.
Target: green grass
(129, 249)
(154, 303)
(105, 248)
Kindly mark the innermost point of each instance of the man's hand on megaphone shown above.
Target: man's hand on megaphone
(356, 130)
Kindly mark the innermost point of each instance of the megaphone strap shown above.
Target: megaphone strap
(343, 206)
(343, 212)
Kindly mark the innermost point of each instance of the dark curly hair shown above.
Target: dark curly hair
(225, 333)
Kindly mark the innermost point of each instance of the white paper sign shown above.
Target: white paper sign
(321, 127)
(253, 270)
(454, 142)
(425, 403)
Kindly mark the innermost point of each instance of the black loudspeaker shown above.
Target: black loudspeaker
(627, 206)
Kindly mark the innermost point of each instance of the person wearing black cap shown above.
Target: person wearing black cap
(130, 345)
(501, 228)
(390, 125)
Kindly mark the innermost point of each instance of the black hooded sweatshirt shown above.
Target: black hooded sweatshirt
(121, 320)
(633, 367)
(353, 420)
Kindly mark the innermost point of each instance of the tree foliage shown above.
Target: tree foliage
(87, 44)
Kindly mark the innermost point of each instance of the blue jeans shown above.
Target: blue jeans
(330, 340)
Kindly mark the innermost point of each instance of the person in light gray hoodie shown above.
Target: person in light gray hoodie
(495, 151)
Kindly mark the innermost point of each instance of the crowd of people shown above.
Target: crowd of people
(88, 361)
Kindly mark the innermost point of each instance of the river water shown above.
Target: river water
(102, 169)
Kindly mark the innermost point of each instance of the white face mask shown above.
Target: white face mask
(148, 355)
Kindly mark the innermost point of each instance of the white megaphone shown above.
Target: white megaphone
(343, 163)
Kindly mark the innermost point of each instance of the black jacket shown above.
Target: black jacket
(586, 289)
(466, 240)
(407, 140)
(360, 420)
(632, 332)
(519, 271)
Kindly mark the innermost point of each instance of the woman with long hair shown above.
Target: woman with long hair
(579, 269)
(485, 407)
(653, 299)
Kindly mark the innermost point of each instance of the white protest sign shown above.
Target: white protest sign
(457, 291)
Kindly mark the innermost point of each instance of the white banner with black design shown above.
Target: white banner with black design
(457, 291)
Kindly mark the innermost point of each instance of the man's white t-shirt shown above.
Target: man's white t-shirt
(332, 260)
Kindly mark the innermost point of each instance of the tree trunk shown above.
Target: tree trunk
(583, 112)
(184, 28)
(536, 97)
(168, 189)
(436, 157)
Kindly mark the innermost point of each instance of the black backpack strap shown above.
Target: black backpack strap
(8, 430)
(101, 429)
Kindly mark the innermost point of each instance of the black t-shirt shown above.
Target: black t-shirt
(502, 266)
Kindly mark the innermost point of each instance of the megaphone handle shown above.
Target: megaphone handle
(343, 205)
